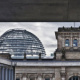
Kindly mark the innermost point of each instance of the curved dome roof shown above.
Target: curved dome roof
(19, 41)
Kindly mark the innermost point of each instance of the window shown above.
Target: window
(75, 78)
(47, 78)
(67, 42)
(75, 42)
(32, 78)
(17, 79)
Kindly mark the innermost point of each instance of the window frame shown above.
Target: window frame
(75, 43)
(67, 42)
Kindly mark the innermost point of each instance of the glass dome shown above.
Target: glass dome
(19, 41)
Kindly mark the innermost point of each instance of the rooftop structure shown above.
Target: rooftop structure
(65, 29)
(19, 41)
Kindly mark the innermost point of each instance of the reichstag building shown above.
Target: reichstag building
(23, 56)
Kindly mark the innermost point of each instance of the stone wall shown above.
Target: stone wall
(68, 56)
(41, 73)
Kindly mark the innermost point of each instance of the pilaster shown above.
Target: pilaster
(3, 73)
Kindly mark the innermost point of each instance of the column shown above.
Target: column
(53, 78)
(6, 74)
(12, 74)
(21, 77)
(62, 76)
(3, 73)
(9, 74)
(35, 78)
(15, 76)
(40, 76)
(24, 77)
(57, 74)
(28, 78)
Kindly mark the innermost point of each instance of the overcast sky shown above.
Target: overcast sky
(45, 31)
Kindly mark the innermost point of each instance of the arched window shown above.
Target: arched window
(47, 77)
(75, 42)
(74, 78)
(67, 42)
(32, 77)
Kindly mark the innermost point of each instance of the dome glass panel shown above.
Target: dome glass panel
(18, 42)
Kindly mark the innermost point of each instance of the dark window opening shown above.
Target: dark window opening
(75, 42)
(32, 78)
(47, 78)
(75, 78)
(17, 79)
(67, 42)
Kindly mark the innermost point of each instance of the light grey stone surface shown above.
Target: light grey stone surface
(52, 63)
(5, 61)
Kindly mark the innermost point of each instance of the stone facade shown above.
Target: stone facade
(70, 34)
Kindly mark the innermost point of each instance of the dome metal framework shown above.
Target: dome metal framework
(18, 41)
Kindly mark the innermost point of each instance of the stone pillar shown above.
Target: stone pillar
(15, 76)
(53, 77)
(39, 78)
(24, 77)
(20, 76)
(35, 78)
(43, 78)
(9, 74)
(28, 78)
(3, 73)
(62, 76)
(57, 74)
(6, 74)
